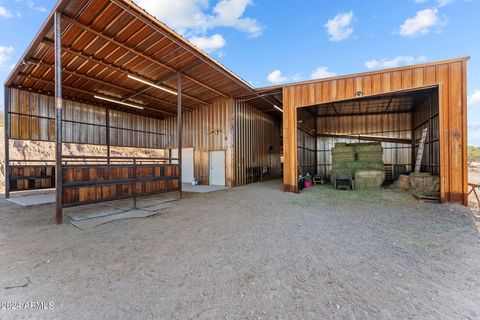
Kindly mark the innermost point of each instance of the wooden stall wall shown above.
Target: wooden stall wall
(257, 145)
(131, 130)
(395, 155)
(207, 128)
(84, 184)
(31, 177)
(32, 118)
(449, 76)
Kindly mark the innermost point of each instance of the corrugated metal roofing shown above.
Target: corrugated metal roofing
(103, 41)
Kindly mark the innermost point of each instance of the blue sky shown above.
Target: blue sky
(269, 41)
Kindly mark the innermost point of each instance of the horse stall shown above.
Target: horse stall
(105, 73)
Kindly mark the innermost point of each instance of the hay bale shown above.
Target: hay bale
(336, 151)
(340, 151)
(343, 158)
(369, 165)
(404, 182)
(367, 156)
(367, 147)
(341, 172)
(369, 179)
(425, 184)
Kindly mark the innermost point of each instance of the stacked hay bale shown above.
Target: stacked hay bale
(369, 172)
(424, 184)
(343, 160)
(361, 160)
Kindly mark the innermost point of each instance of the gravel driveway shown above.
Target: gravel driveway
(249, 253)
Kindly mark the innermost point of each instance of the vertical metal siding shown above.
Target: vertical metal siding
(205, 129)
(255, 133)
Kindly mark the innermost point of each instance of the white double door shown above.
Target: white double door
(216, 163)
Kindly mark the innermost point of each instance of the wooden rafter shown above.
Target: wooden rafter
(118, 69)
(84, 91)
(163, 79)
(105, 83)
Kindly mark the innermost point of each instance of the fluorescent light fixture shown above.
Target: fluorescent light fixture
(276, 107)
(148, 83)
(119, 102)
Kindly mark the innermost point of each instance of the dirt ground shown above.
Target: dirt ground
(249, 253)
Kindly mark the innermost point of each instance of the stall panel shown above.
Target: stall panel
(31, 177)
(84, 184)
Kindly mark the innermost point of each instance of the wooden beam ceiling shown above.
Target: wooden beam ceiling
(138, 53)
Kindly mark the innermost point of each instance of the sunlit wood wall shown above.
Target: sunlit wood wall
(249, 137)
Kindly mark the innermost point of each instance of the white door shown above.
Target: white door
(217, 168)
(187, 164)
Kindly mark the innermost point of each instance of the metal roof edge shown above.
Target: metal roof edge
(427, 64)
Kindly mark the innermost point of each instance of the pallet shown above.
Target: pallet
(426, 198)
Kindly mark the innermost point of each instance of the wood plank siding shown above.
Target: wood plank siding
(31, 177)
(450, 78)
(250, 137)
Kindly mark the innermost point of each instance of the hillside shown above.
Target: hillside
(474, 154)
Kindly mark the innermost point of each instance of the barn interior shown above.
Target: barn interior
(396, 120)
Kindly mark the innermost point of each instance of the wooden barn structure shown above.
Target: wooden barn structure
(392, 106)
(104, 72)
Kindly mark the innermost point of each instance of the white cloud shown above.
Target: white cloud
(474, 134)
(209, 44)
(276, 77)
(4, 13)
(33, 6)
(443, 3)
(421, 24)
(395, 62)
(439, 3)
(322, 72)
(191, 17)
(474, 99)
(5, 54)
(229, 13)
(340, 27)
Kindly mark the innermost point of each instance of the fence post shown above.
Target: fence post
(134, 183)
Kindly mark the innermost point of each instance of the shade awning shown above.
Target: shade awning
(105, 41)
